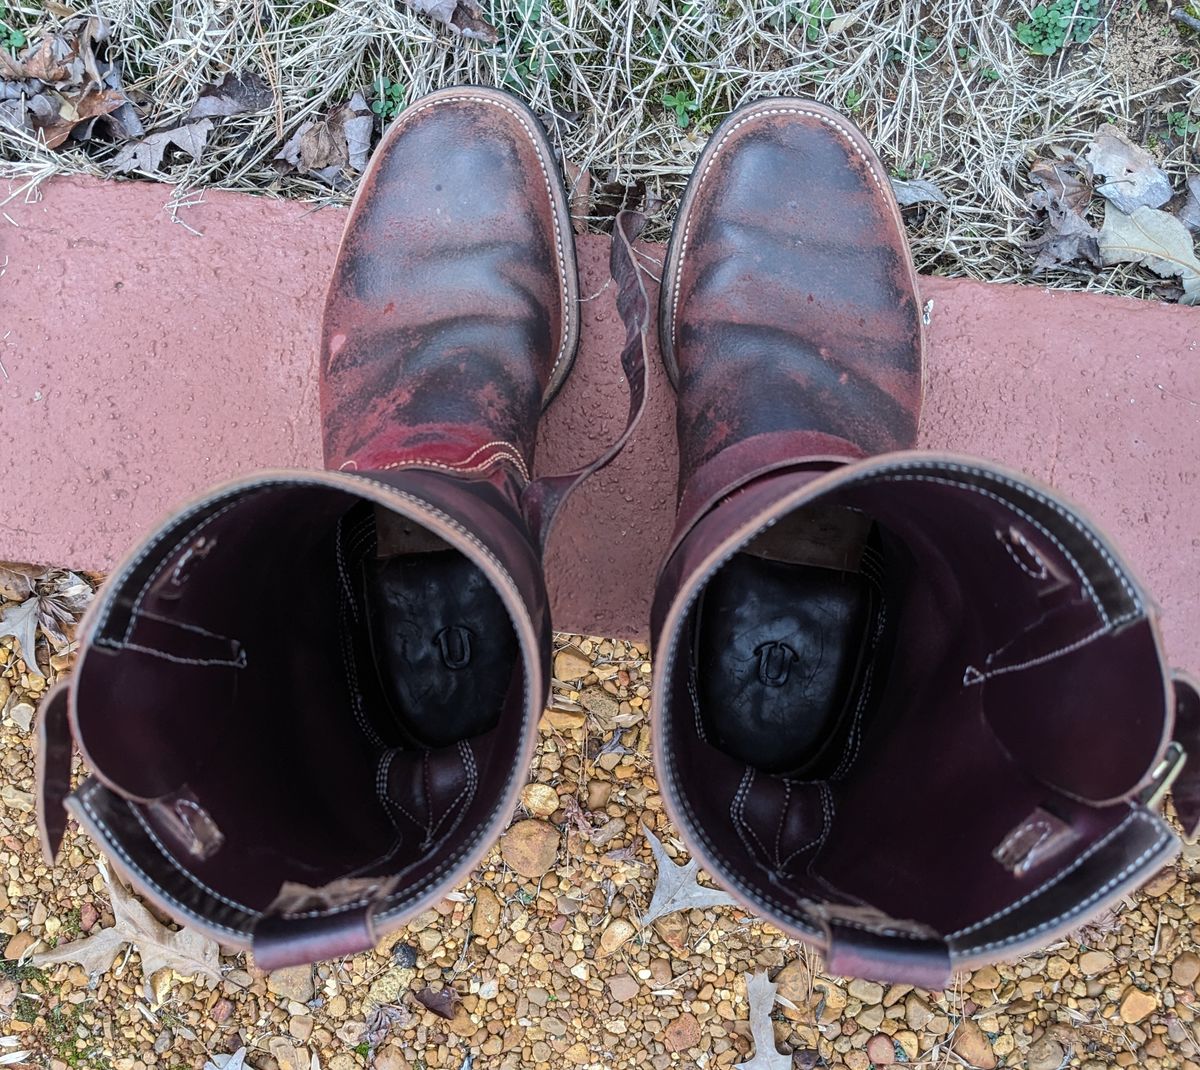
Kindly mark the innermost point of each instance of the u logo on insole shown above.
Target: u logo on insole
(454, 643)
(775, 663)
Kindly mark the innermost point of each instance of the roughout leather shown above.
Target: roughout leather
(1003, 698)
(309, 699)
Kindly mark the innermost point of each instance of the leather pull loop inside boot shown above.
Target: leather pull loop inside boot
(543, 497)
(53, 772)
(902, 959)
(285, 940)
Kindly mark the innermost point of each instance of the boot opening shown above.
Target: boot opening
(921, 700)
(297, 695)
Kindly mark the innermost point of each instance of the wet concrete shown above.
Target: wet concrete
(142, 362)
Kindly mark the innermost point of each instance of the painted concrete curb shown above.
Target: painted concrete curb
(143, 361)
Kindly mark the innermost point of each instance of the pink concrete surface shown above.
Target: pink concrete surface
(142, 362)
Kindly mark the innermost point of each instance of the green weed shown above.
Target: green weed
(1053, 26)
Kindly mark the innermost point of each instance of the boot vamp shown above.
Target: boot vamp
(795, 307)
(446, 307)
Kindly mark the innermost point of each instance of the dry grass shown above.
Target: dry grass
(944, 90)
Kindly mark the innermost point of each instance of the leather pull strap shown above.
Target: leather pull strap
(53, 770)
(1186, 791)
(543, 497)
(890, 958)
(295, 940)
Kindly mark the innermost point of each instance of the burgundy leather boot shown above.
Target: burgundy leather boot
(910, 707)
(308, 700)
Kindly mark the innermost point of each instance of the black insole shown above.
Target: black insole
(443, 644)
(779, 654)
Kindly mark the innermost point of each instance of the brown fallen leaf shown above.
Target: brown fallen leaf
(760, 993)
(1059, 200)
(17, 581)
(73, 112)
(443, 1001)
(186, 952)
(1156, 239)
(463, 17)
(1134, 179)
(676, 887)
(233, 94)
(325, 149)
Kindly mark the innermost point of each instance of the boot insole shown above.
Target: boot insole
(443, 645)
(778, 650)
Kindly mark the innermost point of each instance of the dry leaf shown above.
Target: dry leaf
(186, 952)
(146, 155)
(234, 94)
(1061, 197)
(236, 1061)
(382, 1020)
(325, 149)
(917, 191)
(443, 1002)
(1189, 214)
(21, 621)
(17, 581)
(464, 17)
(73, 113)
(677, 888)
(1153, 238)
(760, 993)
(1134, 179)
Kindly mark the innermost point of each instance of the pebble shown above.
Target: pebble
(1044, 1054)
(88, 916)
(539, 799)
(1092, 963)
(792, 984)
(971, 1043)
(623, 988)
(1136, 1005)
(485, 918)
(682, 1033)
(614, 937)
(300, 1026)
(1185, 969)
(18, 945)
(870, 992)
(530, 847)
(571, 664)
(292, 982)
(880, 1050)
(987, 979)
(917, 1013)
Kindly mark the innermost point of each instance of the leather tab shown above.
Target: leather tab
(53, 770)
(545, 496)
(1186, 791)
(281, 940)
(899, 958)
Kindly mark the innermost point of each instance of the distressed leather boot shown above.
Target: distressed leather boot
(910, 707)
(308, 700)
